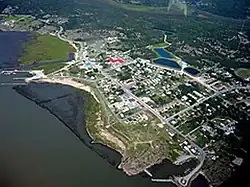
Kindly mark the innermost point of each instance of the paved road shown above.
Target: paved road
(79, 52)
(184, 181)
(197, 79)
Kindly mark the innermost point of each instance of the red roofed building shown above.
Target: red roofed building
(114, 60)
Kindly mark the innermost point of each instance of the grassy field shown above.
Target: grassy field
(91, 108)
(138, 7)
(243, 73)
(9, 18)
(45, 48)
(15, 18)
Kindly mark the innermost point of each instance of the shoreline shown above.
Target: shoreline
(68, 82)
(75, 84)
(121, 149)
(104, 134)
(112, 156)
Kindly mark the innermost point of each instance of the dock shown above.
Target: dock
(148, 173)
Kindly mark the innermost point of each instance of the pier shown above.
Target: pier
(149, 174)
(37, 74)
(165, 181)
(20, 81)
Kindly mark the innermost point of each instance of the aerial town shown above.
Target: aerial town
(162, 106)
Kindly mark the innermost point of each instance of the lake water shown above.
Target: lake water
(192, 71)
(163, 53)
(167, 63)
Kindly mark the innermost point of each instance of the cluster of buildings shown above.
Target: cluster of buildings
(125, 107)
(188, 148)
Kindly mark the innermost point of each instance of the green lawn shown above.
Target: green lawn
(9, 18)
(45, 48)
(16, 18)
(243, 73)
(50, 67)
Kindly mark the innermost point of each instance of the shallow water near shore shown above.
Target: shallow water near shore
(11, 47)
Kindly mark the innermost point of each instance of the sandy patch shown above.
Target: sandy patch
(70, 82)
(110, 137)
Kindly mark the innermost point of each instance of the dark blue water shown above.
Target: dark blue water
(192, 71)
(167, 63)
(11, 47)
(163, 53)
(169, 33)
(200, 181)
